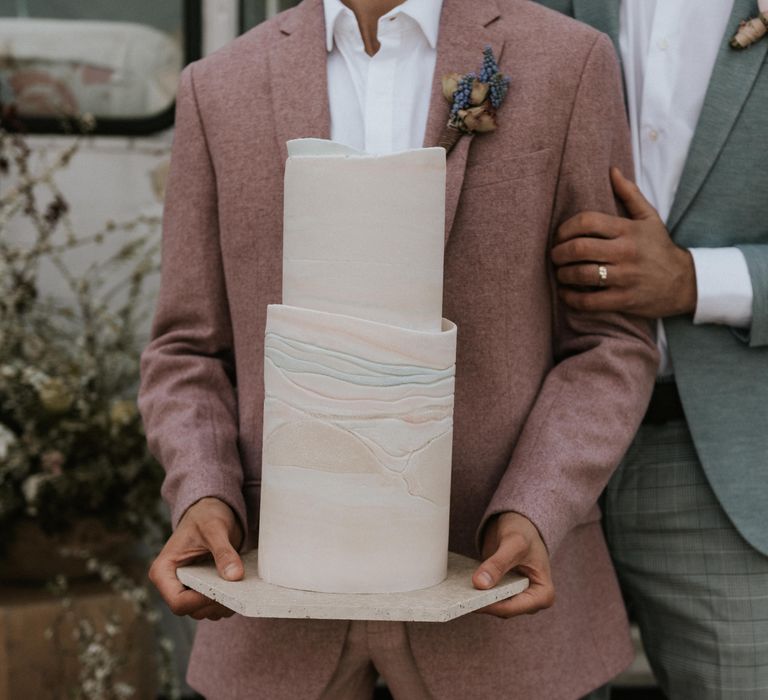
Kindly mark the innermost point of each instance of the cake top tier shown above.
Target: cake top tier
(364, 235)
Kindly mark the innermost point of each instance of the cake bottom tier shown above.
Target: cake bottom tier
(356, 469)
(349, 533)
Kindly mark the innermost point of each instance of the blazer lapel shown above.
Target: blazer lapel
(734, 75)
(601, 14)
(466, 28)
(299, 78)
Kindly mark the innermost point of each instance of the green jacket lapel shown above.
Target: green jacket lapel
(732, 80)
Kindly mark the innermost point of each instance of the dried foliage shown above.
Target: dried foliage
(71, 439)
(72, 444)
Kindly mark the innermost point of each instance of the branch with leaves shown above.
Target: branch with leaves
(71, 439)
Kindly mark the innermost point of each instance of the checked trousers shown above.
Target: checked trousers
(698, 590)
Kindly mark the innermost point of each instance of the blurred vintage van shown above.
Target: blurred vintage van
(116, 64)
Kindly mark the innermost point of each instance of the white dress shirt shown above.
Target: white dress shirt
(669, 50)
(379, 103)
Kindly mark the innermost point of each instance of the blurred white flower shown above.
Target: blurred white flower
(34, 377)
(7, 439)
(31, 486)
(123, 690)
(94, 649)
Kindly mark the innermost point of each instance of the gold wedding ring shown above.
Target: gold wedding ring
(602, 275)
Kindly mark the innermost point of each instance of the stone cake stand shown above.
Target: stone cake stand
(253, 597)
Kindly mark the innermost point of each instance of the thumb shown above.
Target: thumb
(637, 206)
(509, 554)
(228, 561)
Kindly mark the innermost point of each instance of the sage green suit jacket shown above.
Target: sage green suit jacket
(722, 200)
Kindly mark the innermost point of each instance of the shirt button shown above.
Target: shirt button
(663, 44)
(653, 135)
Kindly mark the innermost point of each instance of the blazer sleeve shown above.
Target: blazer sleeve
(756, 256)
(592, 400)
(188, 395)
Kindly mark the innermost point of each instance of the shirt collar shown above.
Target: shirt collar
(426, 13)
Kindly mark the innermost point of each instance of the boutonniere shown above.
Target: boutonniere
(752, 30)
(474, 100)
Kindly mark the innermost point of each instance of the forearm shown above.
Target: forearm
(584, 418)
(187, 395)
(593, 398)
(190, 417)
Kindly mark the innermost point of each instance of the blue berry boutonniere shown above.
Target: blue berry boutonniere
(474, 100)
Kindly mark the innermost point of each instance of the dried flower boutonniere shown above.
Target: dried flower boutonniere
(752, 30)
(474, 100)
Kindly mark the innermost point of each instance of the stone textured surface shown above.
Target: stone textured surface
(253, 597)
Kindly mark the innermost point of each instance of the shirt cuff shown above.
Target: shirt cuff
(724, 288)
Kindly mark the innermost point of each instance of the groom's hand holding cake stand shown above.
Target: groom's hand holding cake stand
(512, 542)
(208, 527)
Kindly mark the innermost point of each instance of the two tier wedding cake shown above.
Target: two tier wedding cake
(359, 376)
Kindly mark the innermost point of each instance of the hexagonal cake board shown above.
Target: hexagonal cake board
(253, 597)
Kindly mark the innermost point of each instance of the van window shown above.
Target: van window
(117, 61)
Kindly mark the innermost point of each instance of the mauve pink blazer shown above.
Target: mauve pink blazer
(547, 399)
